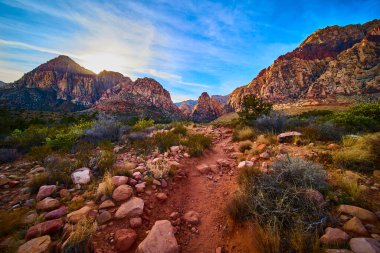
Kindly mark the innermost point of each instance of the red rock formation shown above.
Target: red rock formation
(331, 62)
(206, 109)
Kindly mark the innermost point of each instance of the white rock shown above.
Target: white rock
(81, 176)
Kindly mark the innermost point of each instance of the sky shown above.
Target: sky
(188, 46)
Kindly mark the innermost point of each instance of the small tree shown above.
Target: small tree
(253, 107)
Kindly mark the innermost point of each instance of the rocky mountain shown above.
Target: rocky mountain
(190, 102)
(332, 63)
(186, 108)
(63, 85)
(207, 109)
(221, 99)
(144, 97)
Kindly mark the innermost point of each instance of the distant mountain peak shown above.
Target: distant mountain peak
(64, 64)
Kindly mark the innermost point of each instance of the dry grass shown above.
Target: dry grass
(80, 236)
(11, 221)
(106, 187)
(243, 134)
(159, 169)
(266, 139)
(349, 185)
(245, 145)
(123, 169)
(268, 239)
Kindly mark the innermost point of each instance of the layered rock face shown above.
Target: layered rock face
(207, 109)
(330, 63)
(185, 108)
(58, 85)
(143, 98)
(63, 85)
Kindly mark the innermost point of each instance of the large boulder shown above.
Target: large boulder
(334, 236)
(122, 192)
(287, 136)
(160, 239)
(76, 216)
(48, 204)
(119, 180)
(131, 208)
(57, 213)
(46, 191)
(364, 245)
(81, 176)
(361, 213)
(44, 228)
(124, 239)
(355, 226)
(36, 245)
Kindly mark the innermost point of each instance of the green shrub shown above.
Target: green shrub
(197, 143)
(107, 158)
(38, 153)
(180, 129)
(243, 134)
(164, 140)
(362, 154)
(253, 107)
(143, 124)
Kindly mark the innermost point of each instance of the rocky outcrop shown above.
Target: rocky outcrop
(144, 97)
(185, 108)
(330, 63)
(207, 109)
(221, 99)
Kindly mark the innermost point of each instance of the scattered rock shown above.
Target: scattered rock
(355, 226)
(140, 187)
(174, 149)
(106, 204)
(81, 176)
(65, 194)
(103, 217)
(135, 222)
(364, 245)
(162, 196)
(36, 245)
(334, 236)
(192, 217)
(46, 191)
(133, 207)
(119, 180)
(244, 164)
(47, 204)
(333, 146)
(203, 168)
(265, 155)
(160, 239)
(261, 147)
(122, 192)
(57, 213)
(287, 136)
(361, 213)
(30, 218)
(77, 215)
(124, 239)
(44, 228)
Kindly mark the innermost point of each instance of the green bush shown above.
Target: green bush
(360, 154)
(197, 143)
(38, 153)
(143, 124)
(180, 129)
(164, 140)
(253, 107)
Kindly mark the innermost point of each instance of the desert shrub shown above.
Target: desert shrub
(38, 153)
(272, 123)
(360, 118)
(246, 133)
(268, 239)
(11, 220)
(267, 139)
(107, 158)
(106, 187)
(349, 185)
(245, 145)
(143, 124)
(164, 140)
(324, 131)
(37, 181)
(279, 199)
(80, 237)
(179, 129)
(253, 107)
(361, 155)
(158, 169)
(123, 169)
(197, 143)
(8, 155)
(32, 136)
(105, 128)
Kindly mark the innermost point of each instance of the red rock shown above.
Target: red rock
(207, 109)
(192, 217)
(119, 180)
(46, 191)
(58, 213)
(47, 204)
(37, 245)
(135, 222)
(124, 239)
(122, 192)
(334, 236)
(44, 228)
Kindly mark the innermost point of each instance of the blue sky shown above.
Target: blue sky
(188, 46)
